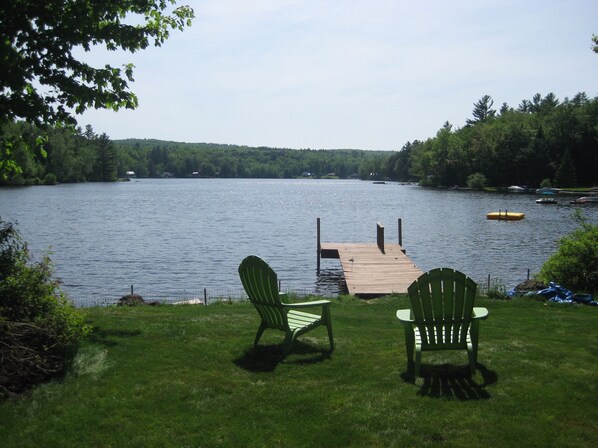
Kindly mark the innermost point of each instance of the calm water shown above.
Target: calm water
(175, 235)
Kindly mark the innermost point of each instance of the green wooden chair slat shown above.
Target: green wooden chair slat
(261, 285)
(442, 315)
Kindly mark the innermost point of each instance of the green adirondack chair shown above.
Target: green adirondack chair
(442, 315)
(261, 285)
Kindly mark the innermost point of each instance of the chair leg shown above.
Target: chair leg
(418, 361)
(289, 341)
(260, 332)
(474, 333)
(409, 342)
(472, 350)
(330, 338)
(472, 359)
(327, 320)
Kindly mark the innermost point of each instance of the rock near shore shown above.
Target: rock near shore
(131, 300)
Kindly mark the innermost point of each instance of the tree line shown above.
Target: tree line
(542, 142)
(153, 158)
(61, 154)
(67, 155)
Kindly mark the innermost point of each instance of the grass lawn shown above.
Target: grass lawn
(187, 376)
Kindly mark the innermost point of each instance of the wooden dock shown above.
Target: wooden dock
(372, 269)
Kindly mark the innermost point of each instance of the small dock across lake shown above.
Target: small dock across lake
(372, 269)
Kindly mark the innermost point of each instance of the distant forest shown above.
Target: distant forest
(544, 141)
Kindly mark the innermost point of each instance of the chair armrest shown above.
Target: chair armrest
(404, 316)
(480, 313)
(307, 304)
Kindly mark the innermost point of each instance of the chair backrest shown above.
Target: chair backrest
(442, 304)
(261, 285)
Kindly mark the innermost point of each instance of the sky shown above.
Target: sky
(338, 74)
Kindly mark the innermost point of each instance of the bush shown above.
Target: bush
(546, 183)
(575, 264)
(50, 179)
(39, 327)
(476, 181)
(497, 291)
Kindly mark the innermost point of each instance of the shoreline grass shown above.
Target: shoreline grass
(188, 376)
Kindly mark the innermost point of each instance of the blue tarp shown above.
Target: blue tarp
(556, 293)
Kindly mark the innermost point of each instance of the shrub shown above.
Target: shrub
(546, 183)
(497, 291)
(39, 327)
(476, 181)
(50, 179)
(575, 264)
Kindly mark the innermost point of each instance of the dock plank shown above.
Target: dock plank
(370, 272)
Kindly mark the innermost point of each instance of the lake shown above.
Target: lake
(172, 236)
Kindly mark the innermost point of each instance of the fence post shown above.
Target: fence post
(131, 289)
(205, 296)
(319, 247)
(380, 236)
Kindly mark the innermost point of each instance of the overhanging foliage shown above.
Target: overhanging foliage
(42, 82)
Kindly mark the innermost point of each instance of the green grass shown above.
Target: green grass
(186, 376)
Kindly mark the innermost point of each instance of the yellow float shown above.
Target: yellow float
(505, 216)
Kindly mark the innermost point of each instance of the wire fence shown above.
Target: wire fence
(86, 299)
(495, 284)
(109, 298)
(206, 296)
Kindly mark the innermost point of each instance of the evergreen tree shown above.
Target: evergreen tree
(482, 110)
(105, 166)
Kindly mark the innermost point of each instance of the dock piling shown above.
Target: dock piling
(400, 230)
(380, 236)
(319, 248)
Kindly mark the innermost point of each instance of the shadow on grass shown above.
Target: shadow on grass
(265, 358)
(452, 382)
(105, 336)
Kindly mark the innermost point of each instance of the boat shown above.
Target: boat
(505, 216)
(547, 190)
(546, 201)
(516, 189)
(585, 200)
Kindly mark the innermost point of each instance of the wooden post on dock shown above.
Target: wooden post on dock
(380, 236)
(319, 249)
(400, 229)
